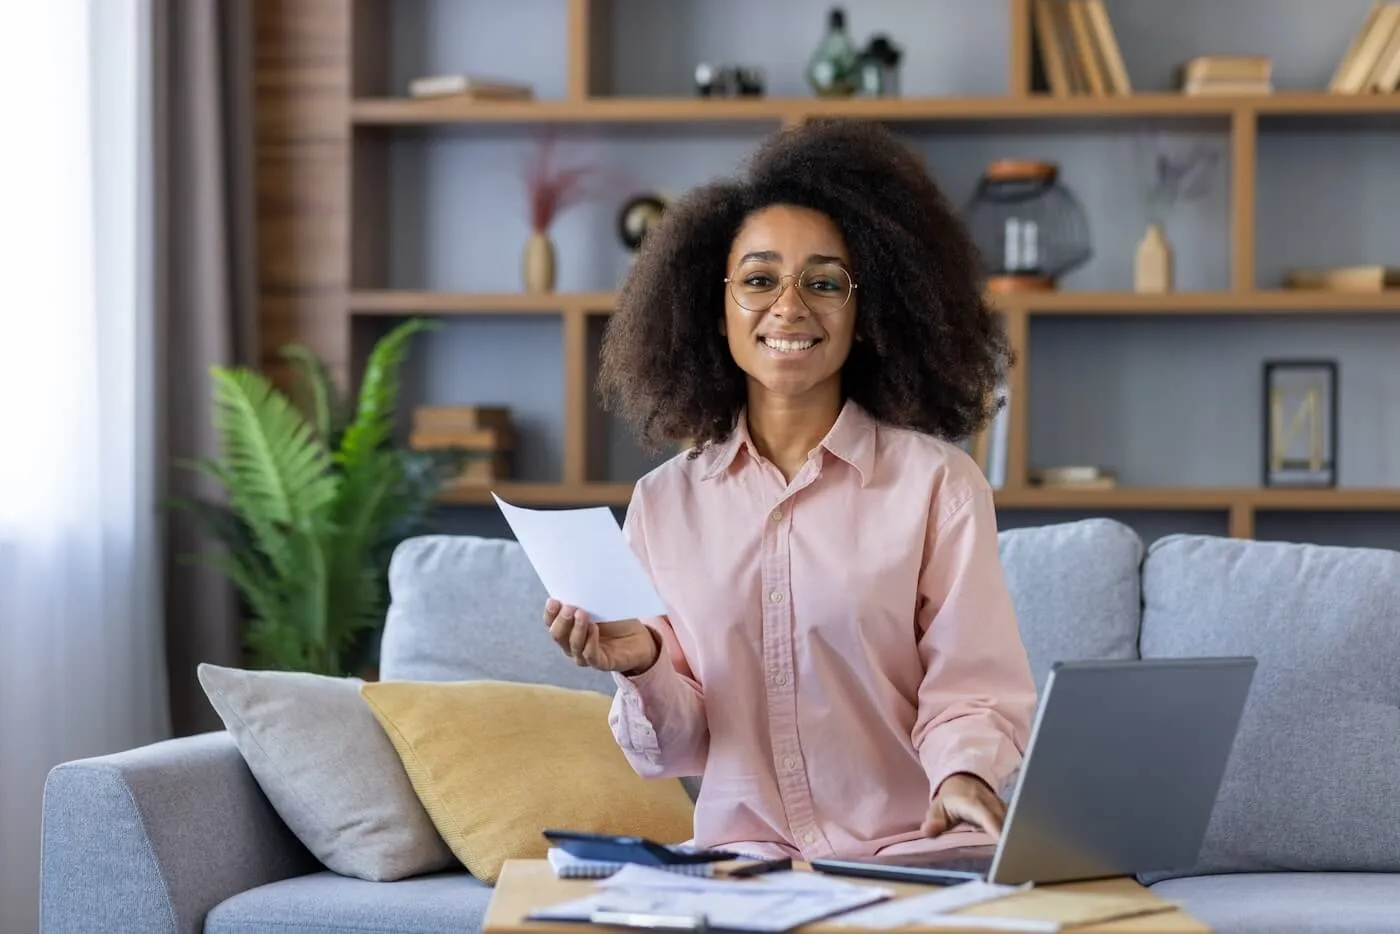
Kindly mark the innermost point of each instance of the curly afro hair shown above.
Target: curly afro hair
(929, 351)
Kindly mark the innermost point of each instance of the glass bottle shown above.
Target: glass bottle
(834, 69)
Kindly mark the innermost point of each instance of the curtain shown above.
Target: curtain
(81, 644)
(206, 291)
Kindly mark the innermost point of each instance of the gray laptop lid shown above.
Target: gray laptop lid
(1123, 767)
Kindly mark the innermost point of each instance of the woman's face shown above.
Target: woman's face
(789, 307)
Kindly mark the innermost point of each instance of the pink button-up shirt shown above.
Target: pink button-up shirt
(835, 647)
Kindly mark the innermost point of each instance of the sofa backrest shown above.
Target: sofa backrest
(466, 608)
(1311, 780)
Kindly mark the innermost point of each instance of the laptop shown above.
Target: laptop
(1120, 776)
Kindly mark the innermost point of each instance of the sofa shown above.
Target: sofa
(1305, 835)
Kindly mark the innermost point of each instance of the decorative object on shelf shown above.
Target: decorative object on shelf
(879, 68)
(315, 500)
(1300, 423)
(834, 68)
(484, 433)
(471, 88)
(1084, 477)
(638, 215)
(1344, 278)
(552, 191)
(1030, 229)
(1371, 62)
(1152, 267)
(729, 80)
(1077, 50)
(1176, 171)
(1235, 75)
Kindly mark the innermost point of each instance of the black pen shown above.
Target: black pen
(759, 868)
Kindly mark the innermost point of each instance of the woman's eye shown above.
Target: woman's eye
(758, 282)
(822, 285)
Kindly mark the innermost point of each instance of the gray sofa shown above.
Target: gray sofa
(1305, 836)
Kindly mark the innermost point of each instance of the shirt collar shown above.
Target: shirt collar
(851, 438)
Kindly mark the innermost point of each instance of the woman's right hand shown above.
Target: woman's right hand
(627, 646)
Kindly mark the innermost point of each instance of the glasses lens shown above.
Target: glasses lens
(755, 286)
(823, 289)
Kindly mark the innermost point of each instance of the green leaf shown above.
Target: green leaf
(373, 423)
(322, 406)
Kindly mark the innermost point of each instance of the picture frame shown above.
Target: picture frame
(1300, 423)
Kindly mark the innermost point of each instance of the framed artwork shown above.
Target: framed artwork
(1300, 423)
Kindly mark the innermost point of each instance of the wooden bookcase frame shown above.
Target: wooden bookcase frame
(323, 126)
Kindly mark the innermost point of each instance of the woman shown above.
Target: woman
(841, 660)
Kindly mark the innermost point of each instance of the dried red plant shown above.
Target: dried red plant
(553, 190)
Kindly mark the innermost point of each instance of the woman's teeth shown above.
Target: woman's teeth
(786, 346)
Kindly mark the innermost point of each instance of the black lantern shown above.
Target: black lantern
(1029, 227)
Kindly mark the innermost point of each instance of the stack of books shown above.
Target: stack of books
(1226, 74)
(1371, 63)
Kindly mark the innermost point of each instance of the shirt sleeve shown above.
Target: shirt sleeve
(977, 697)
(658, 716)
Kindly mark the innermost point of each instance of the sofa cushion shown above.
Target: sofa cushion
(495, 763)
(464, 608)
(326, 903)
(1076, 588)
(326, 766)
(1298, 903)
(1311, 781)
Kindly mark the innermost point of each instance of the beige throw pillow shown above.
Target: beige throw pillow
(328, 769)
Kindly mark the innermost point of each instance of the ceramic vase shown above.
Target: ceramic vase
(538, 265)
(1153, 267)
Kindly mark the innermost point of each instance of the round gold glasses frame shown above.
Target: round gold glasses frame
(762, 300)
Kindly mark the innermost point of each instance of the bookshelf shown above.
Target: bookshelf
(333, 130)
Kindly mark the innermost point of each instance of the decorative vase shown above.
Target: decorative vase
(538, 264)
(1153, 269)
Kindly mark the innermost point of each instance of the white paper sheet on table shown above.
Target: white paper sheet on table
(583, 560)
(769, 904)
(926, 909)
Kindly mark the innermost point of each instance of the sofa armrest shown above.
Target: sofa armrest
(152, 838)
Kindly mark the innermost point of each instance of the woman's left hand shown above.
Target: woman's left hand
(964, 798)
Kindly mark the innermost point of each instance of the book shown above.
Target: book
(568, 866)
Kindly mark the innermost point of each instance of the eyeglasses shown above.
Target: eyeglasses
(824, 288)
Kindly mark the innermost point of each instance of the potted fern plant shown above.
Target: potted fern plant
(316, 497)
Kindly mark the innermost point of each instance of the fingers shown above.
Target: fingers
(590, 655)
(572, 631)
(578, 637)
(937, 821)
(986, 814)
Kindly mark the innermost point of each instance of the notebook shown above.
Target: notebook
(568, 866)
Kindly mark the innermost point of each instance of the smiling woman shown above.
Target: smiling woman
(836, 219)
(827, 556)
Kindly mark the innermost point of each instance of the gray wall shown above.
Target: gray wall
(1165, 401)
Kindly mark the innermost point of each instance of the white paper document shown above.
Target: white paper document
(769, 904)
(926, 909)
(583, 560)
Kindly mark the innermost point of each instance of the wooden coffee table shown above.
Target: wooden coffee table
(526, 885)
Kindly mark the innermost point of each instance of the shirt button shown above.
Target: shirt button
(777, 515)
(809, 837)
(789, 762)
(780, 679)
(776, 596)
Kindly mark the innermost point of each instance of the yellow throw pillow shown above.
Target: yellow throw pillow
(495, 763)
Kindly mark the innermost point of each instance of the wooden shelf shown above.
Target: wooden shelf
(1264, 302)
(326, 135)
(623, 110)
(1122, 498)
(410, 303)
